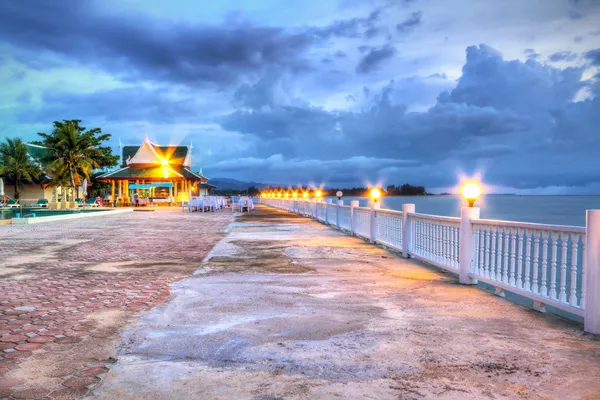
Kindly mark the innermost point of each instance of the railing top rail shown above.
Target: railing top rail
(530, 225)
(363, 208)
(388, 211)
(435, 217)
(345, 207)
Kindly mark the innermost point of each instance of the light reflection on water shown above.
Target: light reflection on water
(559, 210)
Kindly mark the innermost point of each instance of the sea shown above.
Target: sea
(555, 210)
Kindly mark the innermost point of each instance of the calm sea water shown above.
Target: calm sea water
(558, 210)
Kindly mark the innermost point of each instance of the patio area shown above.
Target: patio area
(68, 287)
(287, 308)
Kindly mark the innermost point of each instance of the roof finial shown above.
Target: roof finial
(146, 139)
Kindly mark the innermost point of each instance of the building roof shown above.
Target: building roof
(153, 172)
(152, 153)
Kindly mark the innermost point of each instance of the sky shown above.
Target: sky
(328, 92)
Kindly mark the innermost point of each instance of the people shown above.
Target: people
(99, 200)
(136, 200)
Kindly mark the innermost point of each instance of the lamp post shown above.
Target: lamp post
(339, 194)
(318, 195)
(470, 191)
(375, 195)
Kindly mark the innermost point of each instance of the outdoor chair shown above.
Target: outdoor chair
(41, 203)
(12, 204)
(90, 203)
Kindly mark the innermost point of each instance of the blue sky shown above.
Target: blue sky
(340, 92)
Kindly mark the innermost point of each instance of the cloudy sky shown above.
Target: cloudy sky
(341, 92)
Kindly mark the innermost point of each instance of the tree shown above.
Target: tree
(73, 152)
(16, 164)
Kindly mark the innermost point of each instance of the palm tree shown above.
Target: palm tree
(72, 153)
(16, 164)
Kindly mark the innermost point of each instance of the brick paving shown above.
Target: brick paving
(57, 278)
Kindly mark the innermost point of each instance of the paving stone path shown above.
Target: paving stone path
(66, 288)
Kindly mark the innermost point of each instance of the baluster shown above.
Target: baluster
(420, 223)
(434, 245)
(476, 236)
(481, 251)
(415, 230)
(488, 244)
(527, 285)
(536, 258)
(562, 296)
(501, 236)
(513, 253)
(493, 273)
(583, 274)
(553, 263)
(446, 245)
(433, 241)
(573, 291)
(544, 288)
(442, 244)
(502, 269)
(426, 239)
(439, 237)
(455, 248)
(520, 244)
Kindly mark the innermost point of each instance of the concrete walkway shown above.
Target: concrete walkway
(286, 308)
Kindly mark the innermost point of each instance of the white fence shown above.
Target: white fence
(552, 265)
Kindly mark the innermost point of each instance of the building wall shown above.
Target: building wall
(30, 193)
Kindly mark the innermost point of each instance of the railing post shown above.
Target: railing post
(406, 229)
(466, 249)
(372, 220)
(337, 213)
(327, 202)
(353, 204)
(591, 272)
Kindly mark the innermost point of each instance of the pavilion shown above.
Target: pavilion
(161, 174)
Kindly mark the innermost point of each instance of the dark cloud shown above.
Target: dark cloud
(117, 105)
(410, 23)
(593, 56)
(531, 54)
(562, 56)
(374, 58)
(516, 119)
(138, 47)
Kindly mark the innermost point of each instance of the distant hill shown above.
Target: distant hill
(234, 184)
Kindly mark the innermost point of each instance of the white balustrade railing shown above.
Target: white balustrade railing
(552, 265)
(388, 229)
(345, 218)
(436, 240)
(362, 222)
(543, 262)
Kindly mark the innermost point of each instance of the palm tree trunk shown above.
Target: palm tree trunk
(72, 179)
(17, 181)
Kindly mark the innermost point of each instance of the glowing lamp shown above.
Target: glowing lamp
(286, 195)
(279, 194)
(164, 162)
(339, 194)
(471, 191)
(305, 195)
(375, 194)
(318, 194)
(295, 194)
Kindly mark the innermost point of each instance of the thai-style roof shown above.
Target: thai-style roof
(173, 172)
(152, 153)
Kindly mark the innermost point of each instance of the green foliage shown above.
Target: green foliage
(16, 164)
(406, 190)
(73, 153)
